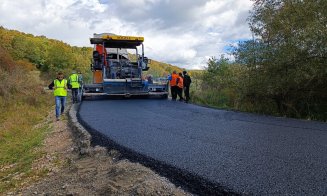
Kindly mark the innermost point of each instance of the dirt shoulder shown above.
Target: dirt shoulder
(75, 168)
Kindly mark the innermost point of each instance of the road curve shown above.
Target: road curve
(238, 152)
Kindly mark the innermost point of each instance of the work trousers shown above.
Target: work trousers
(60, 105)
(180, 93)
(74, 94)
(187, 93)
(174, 91)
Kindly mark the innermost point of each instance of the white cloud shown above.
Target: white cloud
(182, 33)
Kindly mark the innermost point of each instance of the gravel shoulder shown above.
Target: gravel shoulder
(75, 168)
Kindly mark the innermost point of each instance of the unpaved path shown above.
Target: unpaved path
(97, 172)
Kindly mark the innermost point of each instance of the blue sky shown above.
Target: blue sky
(179, 32)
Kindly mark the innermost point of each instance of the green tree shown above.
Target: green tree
(220, 84)
(287, 72)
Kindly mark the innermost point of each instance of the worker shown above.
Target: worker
(80, 78)
(173, 85)
(60, 92)
(73, 82)
(180, 86)
(187, 82)
(80, 81)
(150, 79)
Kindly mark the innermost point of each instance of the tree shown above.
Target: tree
(287, 61)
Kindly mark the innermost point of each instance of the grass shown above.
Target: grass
(211, 98)
(24, 122)
(226, 98)
(20, 137)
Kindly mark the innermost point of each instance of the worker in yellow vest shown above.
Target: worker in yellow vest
(74, 84)
(60, 92)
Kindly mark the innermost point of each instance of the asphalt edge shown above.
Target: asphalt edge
(82, 138)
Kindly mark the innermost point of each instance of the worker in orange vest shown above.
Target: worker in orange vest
(180, 84)
(173, 85)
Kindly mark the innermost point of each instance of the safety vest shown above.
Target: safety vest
(173, 81)
(180, 82)
(60, 87)
(74, 80)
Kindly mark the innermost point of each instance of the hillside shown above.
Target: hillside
(159, 69)
(47, 55)
(23, 105)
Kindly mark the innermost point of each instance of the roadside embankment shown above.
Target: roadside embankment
(88, 170)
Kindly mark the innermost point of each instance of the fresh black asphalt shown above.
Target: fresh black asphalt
(240, 153)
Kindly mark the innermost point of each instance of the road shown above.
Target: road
(240, 153)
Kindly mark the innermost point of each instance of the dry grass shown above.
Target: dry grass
(23, 104)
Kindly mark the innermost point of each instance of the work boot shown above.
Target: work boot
(58, 118)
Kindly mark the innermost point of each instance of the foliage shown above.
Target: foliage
(289, 68)
(159, 69)
(282, 70)
(47, 55)
(220, 84)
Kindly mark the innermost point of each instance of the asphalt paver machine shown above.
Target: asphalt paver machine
(118, 72)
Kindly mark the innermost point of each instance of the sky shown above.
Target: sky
(178, 32)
